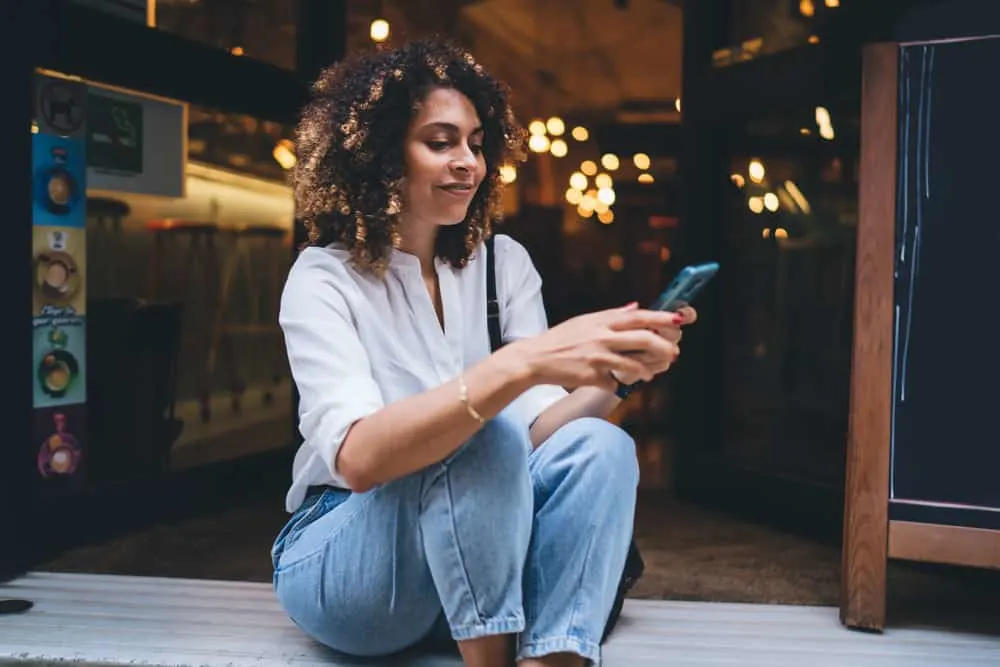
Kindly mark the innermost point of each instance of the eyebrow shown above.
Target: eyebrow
(451, 127)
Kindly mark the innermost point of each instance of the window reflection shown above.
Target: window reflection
(789, 221)
(183, 293)
(261, 29)
(760, 27)
(240, 143)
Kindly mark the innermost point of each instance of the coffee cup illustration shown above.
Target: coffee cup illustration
(59, 453)
(56, 188)
(57, 371)
(57, 276)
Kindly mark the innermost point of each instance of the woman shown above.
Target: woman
(437, 480)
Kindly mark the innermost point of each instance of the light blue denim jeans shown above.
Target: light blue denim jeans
(497, 538)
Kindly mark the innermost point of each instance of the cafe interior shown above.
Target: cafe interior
(662, 133)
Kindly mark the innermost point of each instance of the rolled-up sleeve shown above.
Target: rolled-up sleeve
(519, 289)
(328, 363)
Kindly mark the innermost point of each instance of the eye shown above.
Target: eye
(437, 145)
(476, 148)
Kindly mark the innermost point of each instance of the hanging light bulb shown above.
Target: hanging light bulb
(284, 153)
(771, 202)
(538, 143)
(508, 173)
(379, 30)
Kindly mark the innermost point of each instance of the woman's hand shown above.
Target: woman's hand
(673, 333)
(594, 349)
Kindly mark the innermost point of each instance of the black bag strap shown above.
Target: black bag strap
(492, 304)
(634, 565)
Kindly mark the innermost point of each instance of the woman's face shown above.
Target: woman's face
(444, 158)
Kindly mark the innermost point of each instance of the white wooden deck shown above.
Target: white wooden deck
(116, 620)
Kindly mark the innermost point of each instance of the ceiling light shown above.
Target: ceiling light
(379, 31)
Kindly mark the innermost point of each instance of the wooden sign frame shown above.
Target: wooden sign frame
(870, 537)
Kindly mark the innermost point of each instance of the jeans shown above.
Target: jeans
(498, 538)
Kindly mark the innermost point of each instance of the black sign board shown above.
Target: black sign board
(923, 452)
(114, 134)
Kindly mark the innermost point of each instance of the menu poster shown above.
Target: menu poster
(60, 347)
(60, 106)
(60, 446)
(59, 187)
(59, 261)
(58, 265)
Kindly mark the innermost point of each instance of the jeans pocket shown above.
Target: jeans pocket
(311, 510)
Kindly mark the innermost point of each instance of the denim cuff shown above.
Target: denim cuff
(497, 626)
(541, 647)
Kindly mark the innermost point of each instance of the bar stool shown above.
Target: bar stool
(201, 250)
(105, 240)
(273, 245)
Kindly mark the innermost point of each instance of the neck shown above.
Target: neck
(419, 240)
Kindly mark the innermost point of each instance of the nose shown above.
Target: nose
(464, 160)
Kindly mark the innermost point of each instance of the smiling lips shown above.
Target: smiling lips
(463, 190)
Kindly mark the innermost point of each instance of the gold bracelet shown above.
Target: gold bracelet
(463, 395)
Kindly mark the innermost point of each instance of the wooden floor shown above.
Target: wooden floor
(116, 620)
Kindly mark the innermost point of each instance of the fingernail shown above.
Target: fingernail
(678, 319)
(631, 304)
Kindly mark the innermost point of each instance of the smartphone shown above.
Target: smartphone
(685, 286)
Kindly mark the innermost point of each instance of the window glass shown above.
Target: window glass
(760, 27)
(261, 29)
(789, 222)
(182, 305)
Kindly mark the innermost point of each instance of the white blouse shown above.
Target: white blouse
(356, 342)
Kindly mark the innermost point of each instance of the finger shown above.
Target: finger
(610, 314)
(644, 319)
(658, 363)
(673, 334)
(689, 314)
(604, 366)
(627, 367)
(639, 341)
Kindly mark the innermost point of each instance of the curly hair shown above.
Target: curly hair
(349, 175)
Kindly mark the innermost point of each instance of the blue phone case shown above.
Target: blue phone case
(685, 286)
